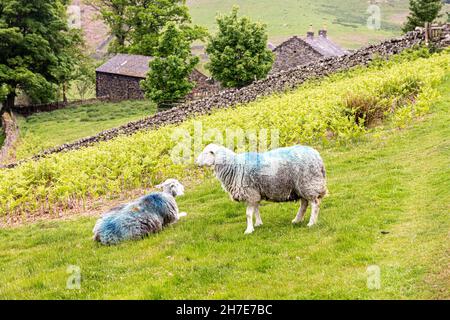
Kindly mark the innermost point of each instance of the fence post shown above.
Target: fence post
(427, 26)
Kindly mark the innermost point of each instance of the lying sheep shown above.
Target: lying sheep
(148, 214)
(280, 175)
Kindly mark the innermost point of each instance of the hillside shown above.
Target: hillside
(388, 207)
(41, 131)
(345, 20)
(379, 117)
(320, 115)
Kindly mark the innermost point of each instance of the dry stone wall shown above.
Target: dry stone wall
(118, 87)
(11, 131)
(285, 80)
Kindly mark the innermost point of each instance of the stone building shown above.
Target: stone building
(297, 51)
(118, 79)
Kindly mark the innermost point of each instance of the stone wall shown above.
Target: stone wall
(278, 82)
(204, 86)
(11, 131)
(294, 52)
(118, 87)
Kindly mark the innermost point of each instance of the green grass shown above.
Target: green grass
(397, 181)
(48, 129)
(346, 20)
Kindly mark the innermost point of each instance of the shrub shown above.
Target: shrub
(238, 52)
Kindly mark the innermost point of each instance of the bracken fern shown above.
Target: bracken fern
(317, 113)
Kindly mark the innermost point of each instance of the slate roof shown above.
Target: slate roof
(325, 46)
(321, 44)
(132, 65)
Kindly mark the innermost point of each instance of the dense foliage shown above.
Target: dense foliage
(137, 25)
(238, 51)
(84, 76)
(168, 78)
(35, 46)
(422, 11)
(316, 113)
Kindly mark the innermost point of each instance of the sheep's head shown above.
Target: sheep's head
(172, 187)
(209, 155)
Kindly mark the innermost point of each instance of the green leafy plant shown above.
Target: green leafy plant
(36, 48)
(238, 51)
(138, 25)
(422, 11)
(168, 77)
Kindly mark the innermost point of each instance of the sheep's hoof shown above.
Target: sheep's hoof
(248, 231)
(310, 224)
(258, 223)
(295, 221)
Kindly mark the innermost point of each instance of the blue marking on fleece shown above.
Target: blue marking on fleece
(154, 202)
(136, 219)
(256, 161)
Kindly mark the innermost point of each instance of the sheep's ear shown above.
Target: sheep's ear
(159, 186)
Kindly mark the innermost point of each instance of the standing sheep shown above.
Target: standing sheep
(280, 175)
(148, 214)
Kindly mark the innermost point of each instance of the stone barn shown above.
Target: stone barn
(118, 79)
(297, 51)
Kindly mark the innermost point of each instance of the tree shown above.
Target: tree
(33, 38)
(69, 60)
(238, 52)
(148, 20)
(113, 13)
(84, 76)
(422, 11)
(168, 78)
(3, 94)
(137, 25)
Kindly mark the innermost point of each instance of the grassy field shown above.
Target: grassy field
(48, 129)
(388, 207)
(346, 20)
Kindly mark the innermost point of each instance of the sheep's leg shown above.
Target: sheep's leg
(258, 217)
(301, 211)
(314, 212)
(250, 210)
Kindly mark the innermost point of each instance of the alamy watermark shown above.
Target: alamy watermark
(374, 20)
(74, 279)
(190, 144)
(373, 277)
